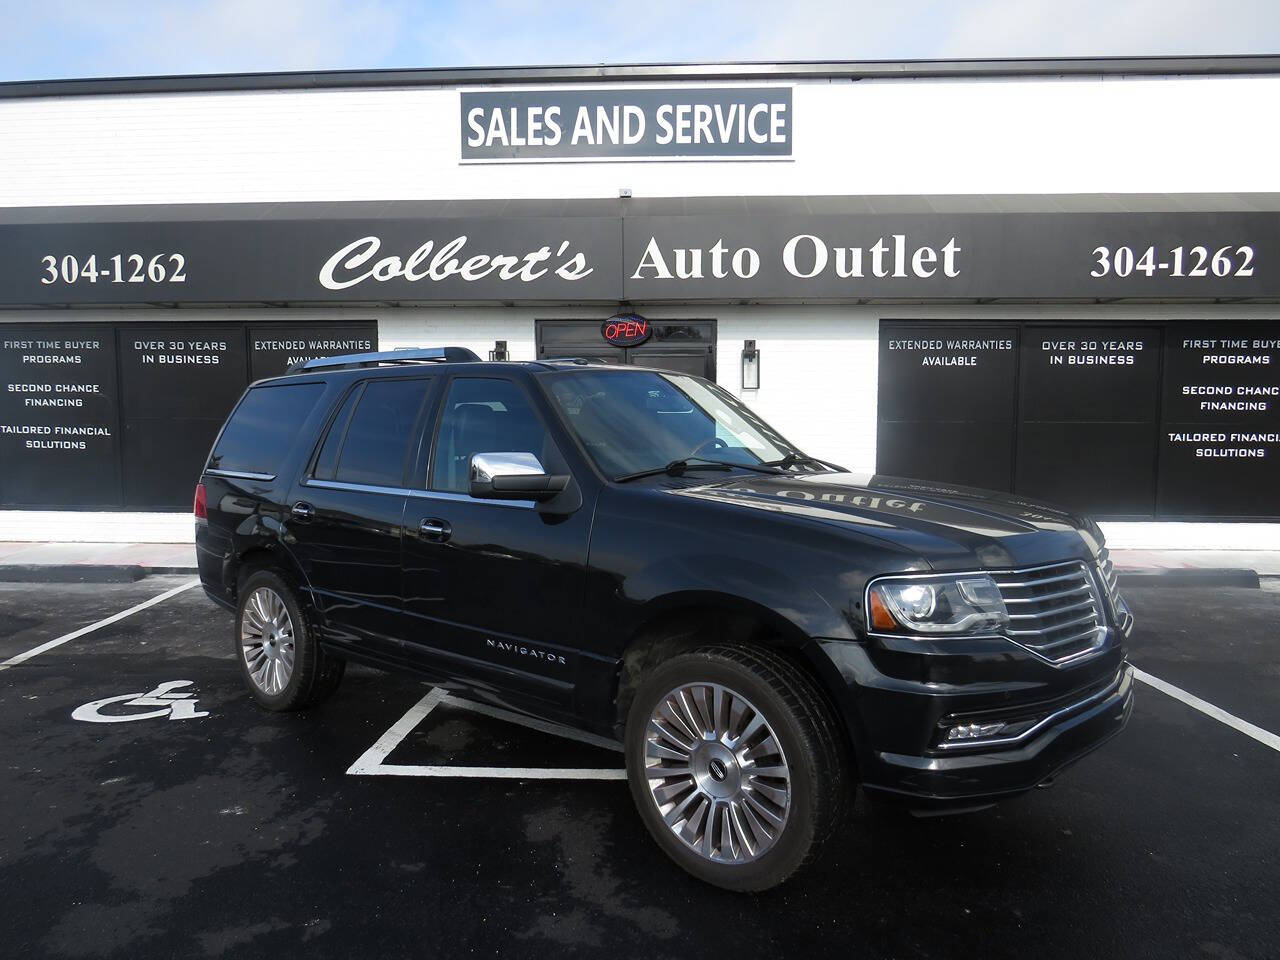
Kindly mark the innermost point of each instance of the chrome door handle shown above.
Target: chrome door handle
(303, 510)
(433, 528)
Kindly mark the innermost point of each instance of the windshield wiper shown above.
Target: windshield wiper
(795, 459)
(676, 467)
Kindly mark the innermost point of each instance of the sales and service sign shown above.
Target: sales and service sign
(672, 123)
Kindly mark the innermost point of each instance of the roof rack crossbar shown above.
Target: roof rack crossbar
(422, 355)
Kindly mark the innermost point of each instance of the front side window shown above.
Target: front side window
(378, 440)
(483, 415)
(633, 421)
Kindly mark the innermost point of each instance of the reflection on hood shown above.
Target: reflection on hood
(883, 501)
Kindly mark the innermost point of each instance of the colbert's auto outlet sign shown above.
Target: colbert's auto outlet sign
(298, 258)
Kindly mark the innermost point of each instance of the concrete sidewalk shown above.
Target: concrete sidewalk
(135, 560)
(93, 562)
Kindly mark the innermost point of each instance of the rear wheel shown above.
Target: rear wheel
(280, 660)
(735, 766)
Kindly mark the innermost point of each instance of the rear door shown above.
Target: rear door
(347, 512)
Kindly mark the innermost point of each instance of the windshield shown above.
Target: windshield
(630, 421)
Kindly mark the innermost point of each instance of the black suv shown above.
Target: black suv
(635, 553)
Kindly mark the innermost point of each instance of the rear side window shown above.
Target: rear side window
(376, 447)
(327, 461)
(264, 427)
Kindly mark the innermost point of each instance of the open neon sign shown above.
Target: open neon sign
(625, 330)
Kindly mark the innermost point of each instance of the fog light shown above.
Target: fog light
(974, 731)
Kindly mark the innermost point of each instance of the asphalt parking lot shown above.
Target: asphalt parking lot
(393, 822)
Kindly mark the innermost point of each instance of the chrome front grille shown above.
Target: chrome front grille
(1054, 611)
(1108, 571)
(1110, 583)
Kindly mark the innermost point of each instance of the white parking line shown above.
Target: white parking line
(67, 637)
(1265, 737)
(371, 762)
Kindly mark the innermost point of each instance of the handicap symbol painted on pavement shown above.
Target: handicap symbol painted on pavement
(166, 703)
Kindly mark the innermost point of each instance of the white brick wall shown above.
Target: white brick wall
(1110, 135)
(817, 375)
(473, 327)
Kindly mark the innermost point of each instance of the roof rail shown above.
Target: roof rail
(423, 355)
(577, 360)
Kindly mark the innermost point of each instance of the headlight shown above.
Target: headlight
(970, 604)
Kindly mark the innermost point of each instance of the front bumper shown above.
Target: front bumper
(989, 773)
(898, 706)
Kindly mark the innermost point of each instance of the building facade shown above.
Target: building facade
(1056, 278)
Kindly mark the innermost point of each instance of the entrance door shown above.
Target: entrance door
(682, 346)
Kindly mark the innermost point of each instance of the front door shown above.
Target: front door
(347, 513)
(494, 589)
(682, 346)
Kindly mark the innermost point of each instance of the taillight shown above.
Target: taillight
(198, 508)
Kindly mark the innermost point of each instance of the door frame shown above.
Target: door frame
(626, 353)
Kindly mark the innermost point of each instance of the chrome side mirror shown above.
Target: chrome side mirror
(512, 476)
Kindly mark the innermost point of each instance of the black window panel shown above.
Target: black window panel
(1096, 467)
(1102, 373)
(1219, 453)
(484, 416)
(1087, 411)
(164, 461)
(327, 460)
(953, 372)
(1218, 470)
(77, 462)
(264, 427)
(181, 370)
(376, 447)
(1207, 381)
(948, 402)
(975, 454)
(275, 347)
(178, 383)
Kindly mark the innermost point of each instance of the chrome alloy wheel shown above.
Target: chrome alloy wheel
(717, 772)
(266, 641)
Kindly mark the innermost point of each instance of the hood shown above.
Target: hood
(947, 526)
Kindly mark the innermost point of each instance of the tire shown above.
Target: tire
(775, 793)
(273, 633)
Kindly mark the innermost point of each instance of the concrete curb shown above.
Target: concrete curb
(72, 573)
(1189, 577)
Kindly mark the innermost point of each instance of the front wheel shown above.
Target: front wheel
(735, 765)
(280, 660)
